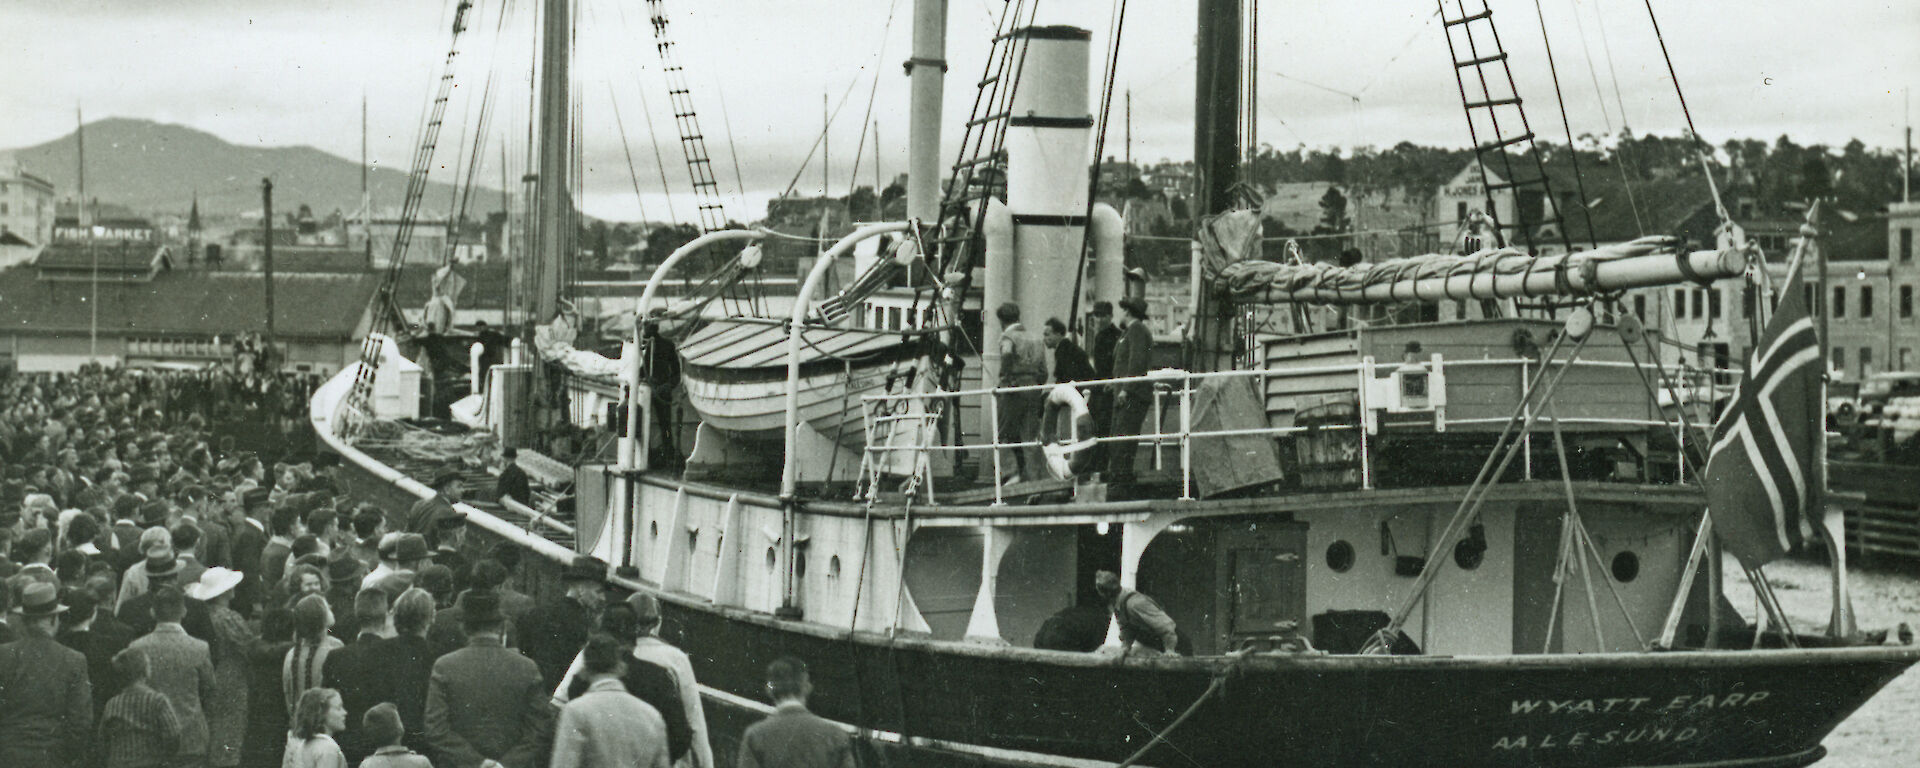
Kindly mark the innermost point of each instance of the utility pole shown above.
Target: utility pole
(1127, 144)
(366, 191)
(879, 210)
(1906, 168)
(86, 233)
(826, 124)
(266, 261)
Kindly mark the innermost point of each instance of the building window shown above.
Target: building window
(1746, 301)
(1699, 303)
(1837, 360)
(1906, 243)
(1839, 308)
(1906, 358)
(1866, 301)
(1713, 303)
(1866, 362)
(1679, 303)
(1906, 302)
(1640, 307)
(1460, 211)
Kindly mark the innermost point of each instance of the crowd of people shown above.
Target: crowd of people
(166, 603)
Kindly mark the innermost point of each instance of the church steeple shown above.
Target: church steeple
(193, 216)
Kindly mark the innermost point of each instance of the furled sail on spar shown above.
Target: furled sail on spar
(1493, 273)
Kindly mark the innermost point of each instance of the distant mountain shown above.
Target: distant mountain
(156, 168)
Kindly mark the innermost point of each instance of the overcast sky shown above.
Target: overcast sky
(287, 72)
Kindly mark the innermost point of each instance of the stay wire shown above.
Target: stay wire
(1573, 151)
(1699, 144)
(1115, 27)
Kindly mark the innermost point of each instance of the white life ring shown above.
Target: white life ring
(1063, 451)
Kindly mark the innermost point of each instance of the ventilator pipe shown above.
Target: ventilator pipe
(1109, 233)
(996, 235)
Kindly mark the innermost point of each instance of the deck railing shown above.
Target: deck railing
(1174, 394)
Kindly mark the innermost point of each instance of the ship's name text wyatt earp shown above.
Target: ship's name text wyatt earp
(1667, 708)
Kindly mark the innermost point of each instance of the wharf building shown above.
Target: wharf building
(154, 314)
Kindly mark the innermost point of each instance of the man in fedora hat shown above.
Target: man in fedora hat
(487, 705)
(249, 539)
(400, 552)
(425, 514)
(140, 616)
(552, 633)
(97, 636)
(46, 703)
(156, 547)
(1133, 400)
(181, 667)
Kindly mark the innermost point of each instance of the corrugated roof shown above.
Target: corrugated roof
(125, 256)
(190, 302)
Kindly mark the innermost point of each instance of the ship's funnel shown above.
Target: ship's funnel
(1047, 164)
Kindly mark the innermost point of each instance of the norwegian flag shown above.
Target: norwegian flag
(1760, 466)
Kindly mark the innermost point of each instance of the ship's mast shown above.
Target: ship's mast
(1216, 165)
(553, 205)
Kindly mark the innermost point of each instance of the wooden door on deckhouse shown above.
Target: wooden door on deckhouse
(1262, 569)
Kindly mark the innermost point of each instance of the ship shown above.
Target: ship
(1473, 534)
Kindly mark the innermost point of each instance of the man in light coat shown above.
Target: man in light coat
(650, 649)
(182, 669)
(606, 727)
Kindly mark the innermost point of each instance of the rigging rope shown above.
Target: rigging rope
(1706, 156)
(860, 147)
(1573, 151)
(632, 174)
(1115, 26)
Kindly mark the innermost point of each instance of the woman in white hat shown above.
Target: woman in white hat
(233, 639)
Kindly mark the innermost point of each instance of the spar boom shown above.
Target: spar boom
(1499, 273)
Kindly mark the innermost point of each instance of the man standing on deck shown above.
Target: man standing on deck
(1133, 400)
(513, 481)
(1022, 363)
(1069, 360)
(1100, 402)
(1140, 619)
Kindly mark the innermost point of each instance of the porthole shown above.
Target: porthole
(1469, 554)
(1626, 567)
(800, 564)
(771, 558)
(833, 567)
(1340, 556)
